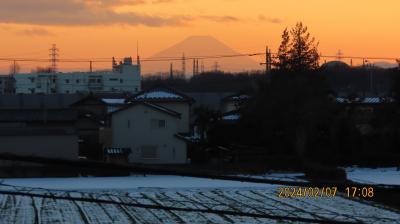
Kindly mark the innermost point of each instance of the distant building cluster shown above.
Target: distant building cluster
(124, 77)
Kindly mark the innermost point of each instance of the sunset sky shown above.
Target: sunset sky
(106, 28)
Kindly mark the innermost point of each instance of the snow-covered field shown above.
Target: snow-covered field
(389, 176)
(173, 191)
(282, 176)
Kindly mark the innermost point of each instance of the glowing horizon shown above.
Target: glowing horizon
(106, 28)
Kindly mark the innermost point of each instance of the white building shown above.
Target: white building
(124, 77)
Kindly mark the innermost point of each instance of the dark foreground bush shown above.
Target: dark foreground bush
(318, 172)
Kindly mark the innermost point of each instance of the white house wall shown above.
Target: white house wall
(170, 150)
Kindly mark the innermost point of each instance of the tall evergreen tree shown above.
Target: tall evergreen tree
(298, 51)
(283, 52)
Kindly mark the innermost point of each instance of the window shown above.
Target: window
(98, 80)
(67, 81)
(77, 81)
(157, 123)
(66, 91)
(148, 152)
(121, 81)
(113, 79)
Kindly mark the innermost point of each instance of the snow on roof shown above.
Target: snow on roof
(116, 151)
(159, 94)
(240, 97)
(114, 101)
(231, 117)
(340, 99)
(371, 100)
(365, 100)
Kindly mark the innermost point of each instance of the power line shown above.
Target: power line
(173, 58)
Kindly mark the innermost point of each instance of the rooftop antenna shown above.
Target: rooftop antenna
(53, 54)
(137, 52)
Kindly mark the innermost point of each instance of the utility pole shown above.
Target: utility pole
(268, 60)
(194, 67)
(91, 67)
(54, 54)
(183, 64)
(171, 71)
(197, 66)
(202, 66)
(339, 55)
(14, 68)
(216, 66)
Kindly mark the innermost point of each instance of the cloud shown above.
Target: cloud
(35, 32)
(79, 13)
(271, 20)
(221, 18)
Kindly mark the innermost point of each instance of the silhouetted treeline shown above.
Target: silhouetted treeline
(207, 82)
(297, 114)
(366, 80)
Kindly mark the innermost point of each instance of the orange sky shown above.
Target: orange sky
(106, 28)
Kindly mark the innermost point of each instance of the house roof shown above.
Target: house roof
(117, 151)
(36, 131)
(113, 101)
(110, 99)
(38, 101)
(236, 98)
(149, 105)
(231, 116)
(162, 94)
(38, 115)
(365, 100)
(188, 137)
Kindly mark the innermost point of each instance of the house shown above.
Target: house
(363, 110)
(39, 125)
(38, 132)
(42, 142)
(93, 125)
(233, 102)
(149, 126)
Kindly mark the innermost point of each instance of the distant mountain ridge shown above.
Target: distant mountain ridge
(201, 46)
